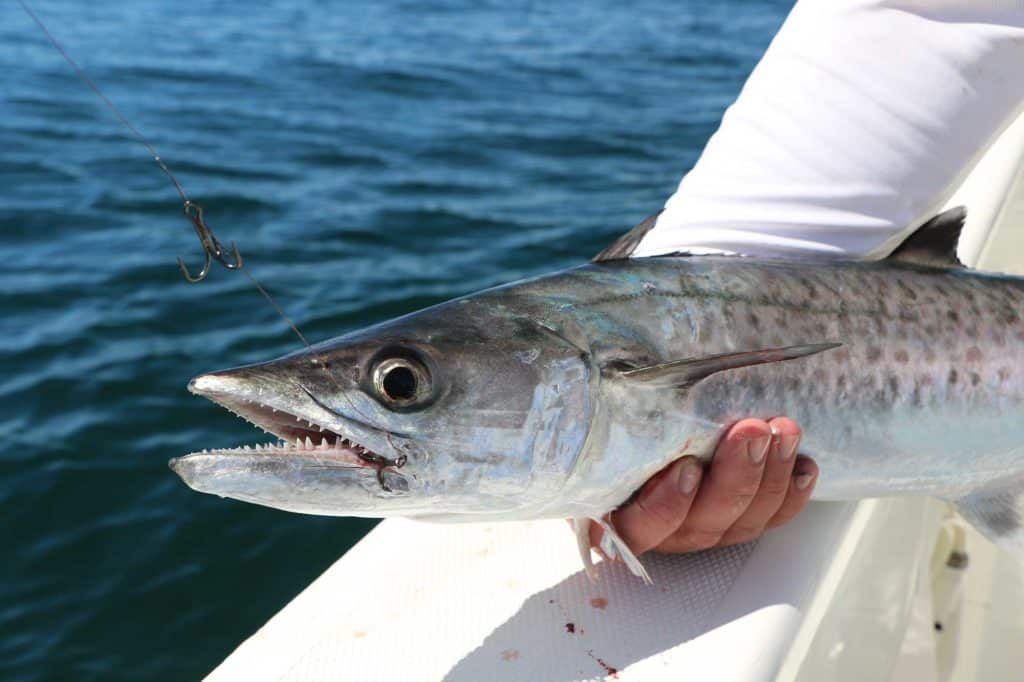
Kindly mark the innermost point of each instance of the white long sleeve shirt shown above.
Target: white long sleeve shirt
(857, 125)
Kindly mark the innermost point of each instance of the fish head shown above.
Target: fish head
(464, 409)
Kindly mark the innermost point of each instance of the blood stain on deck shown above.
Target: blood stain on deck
(612, 672)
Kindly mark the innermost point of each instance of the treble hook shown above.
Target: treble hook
(211, 245)
(381, 462)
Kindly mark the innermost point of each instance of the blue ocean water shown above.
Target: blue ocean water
(369, 158)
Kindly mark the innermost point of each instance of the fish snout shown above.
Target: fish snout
(227, 382)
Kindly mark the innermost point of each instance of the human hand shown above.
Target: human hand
(755, 481)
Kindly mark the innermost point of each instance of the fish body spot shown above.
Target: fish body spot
(527, 357)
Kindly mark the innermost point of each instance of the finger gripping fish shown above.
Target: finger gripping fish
(559, 396)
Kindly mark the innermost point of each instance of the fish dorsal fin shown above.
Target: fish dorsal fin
(625, 245)
(686, 373)
(934, 243)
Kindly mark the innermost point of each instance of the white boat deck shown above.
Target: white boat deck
(416, 601)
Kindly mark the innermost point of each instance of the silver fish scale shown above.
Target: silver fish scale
(930, 377)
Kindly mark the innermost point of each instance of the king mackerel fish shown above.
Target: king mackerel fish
(559, 396)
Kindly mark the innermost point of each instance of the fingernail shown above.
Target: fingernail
(689, 477)
(757, 448)
(801, 481)
(787, 447)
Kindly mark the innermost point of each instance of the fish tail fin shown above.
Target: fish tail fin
(997, 512)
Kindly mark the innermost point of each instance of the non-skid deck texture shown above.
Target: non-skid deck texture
(417, 601)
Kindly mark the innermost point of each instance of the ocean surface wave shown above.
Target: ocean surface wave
(369, 159)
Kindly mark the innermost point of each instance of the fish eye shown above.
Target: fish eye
(401, 381)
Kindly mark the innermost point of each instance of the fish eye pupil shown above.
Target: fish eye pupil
(400, 383)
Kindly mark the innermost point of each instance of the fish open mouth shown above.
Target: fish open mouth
(297, 434)
(306, 444)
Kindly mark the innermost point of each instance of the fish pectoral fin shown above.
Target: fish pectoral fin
(686, 373)
(612, 545)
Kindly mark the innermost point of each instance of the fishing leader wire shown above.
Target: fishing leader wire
(212, 247)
